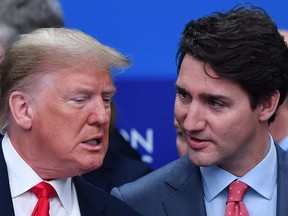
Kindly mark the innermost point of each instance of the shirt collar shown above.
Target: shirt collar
(22, 177)
(262, 178)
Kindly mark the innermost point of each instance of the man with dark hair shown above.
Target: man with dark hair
(232, 77)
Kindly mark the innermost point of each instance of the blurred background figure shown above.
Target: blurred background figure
(122, 163)
(279, 128)
(180, 141)
(23, 16)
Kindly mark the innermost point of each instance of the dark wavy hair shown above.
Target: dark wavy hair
(242, 45)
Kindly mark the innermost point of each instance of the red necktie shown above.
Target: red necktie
(234, 204)
(43, 191)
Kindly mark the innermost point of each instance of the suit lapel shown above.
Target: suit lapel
(188, 200)
(6, 204)
(94, 201)
(282, 182)
(86, 198)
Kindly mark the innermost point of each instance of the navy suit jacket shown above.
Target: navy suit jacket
(92, 201)
(176, 189)
(122, 164)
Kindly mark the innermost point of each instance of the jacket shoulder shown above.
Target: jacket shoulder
(147, 193)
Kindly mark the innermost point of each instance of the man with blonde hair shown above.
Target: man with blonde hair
(56, 90)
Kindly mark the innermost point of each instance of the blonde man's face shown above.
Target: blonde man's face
(71, 115)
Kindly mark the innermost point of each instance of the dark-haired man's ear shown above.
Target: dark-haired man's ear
(269, 106)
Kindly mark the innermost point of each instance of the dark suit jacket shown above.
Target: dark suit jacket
(92, 201)
(176, 189)
(122, 164)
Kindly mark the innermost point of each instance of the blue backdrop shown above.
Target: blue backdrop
(148, 32)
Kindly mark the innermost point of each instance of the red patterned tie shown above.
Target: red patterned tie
(43, 191)
(234, 204)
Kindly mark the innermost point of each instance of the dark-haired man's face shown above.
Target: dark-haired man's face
(216, 119)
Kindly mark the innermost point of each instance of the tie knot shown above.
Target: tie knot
(43, 190)
(236, 191)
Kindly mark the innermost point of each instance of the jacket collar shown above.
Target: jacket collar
(188, 198)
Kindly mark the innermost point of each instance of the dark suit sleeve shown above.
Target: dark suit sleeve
(117, 170)
(94, 201)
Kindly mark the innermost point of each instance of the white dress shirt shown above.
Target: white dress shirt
(22, 178)
(261, 197)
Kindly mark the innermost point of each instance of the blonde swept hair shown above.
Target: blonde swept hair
(46, 49)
